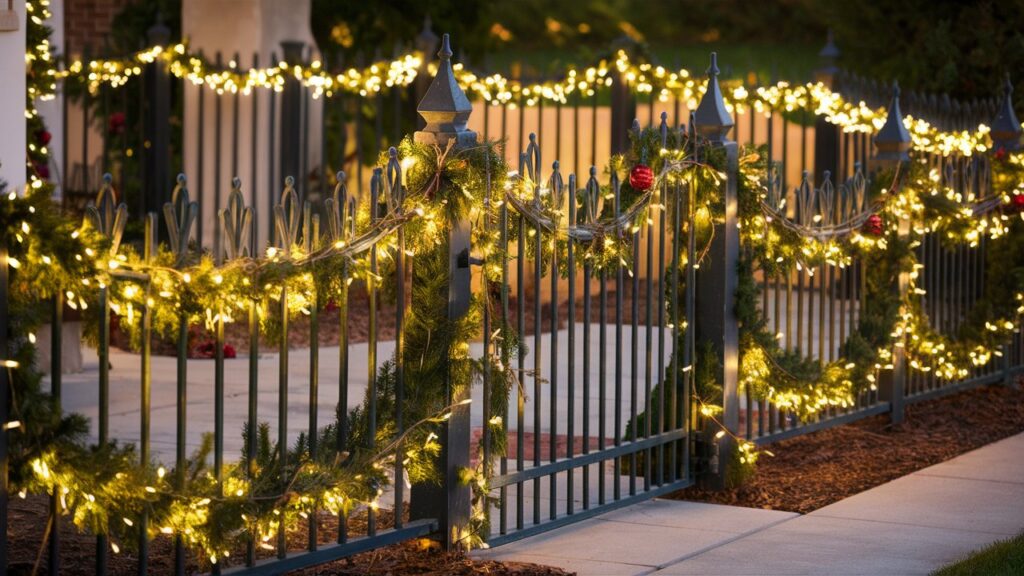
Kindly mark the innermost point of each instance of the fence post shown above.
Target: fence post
(446, 110)
(623, 108)
(156, 127)
(826, 134)
(1006, 131)
(291, 118)
(1006, 134)
(426, 44)
(717, 280)
(892, 145)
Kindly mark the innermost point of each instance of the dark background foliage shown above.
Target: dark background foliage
(946, 46)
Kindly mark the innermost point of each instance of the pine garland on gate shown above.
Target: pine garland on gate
(445, 186)
(106, 488)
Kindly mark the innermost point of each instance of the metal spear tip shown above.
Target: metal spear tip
(533, 138)
(445, 53)
(236, 182)
(830, 50)
(1007, 85)
(107, 178)
(593, 170)
(895, 88)
(393, 152)
(636, 124)
(713, 69)
(827, 174)
(664, 116)
(181, 178)
(340, 176)
(289, 181)
(554, 165)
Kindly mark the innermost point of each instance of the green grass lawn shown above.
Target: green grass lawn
(1005, 557)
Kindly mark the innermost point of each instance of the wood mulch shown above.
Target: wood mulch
(817, 469)
(28, 524)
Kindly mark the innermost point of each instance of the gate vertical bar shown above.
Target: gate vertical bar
(56, 352)
(146, 384)
(555, 190)
(346, 209)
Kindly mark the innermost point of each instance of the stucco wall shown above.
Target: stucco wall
(12, 102)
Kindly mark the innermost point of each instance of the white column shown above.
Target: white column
(257, 27)
(12, 103)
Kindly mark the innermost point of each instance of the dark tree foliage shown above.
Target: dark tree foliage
(943, 46)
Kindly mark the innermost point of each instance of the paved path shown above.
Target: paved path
(909, 526)
(80, 391)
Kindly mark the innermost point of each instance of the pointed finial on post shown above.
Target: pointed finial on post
(445, 107)
(445, 53)
(828, 56)
(1006, 131)
(893, 141)
(426, 41)
(711, 119)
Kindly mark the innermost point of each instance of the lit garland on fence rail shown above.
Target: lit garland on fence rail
(779, 245)
(55, 256)
(642, 77)
(59, 257)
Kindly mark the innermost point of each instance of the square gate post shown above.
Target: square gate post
(893, 148)
(157, 110)
(826, 134)
(292, 137)
(717, 280)
(446, 111)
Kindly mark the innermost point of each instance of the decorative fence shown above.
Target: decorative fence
(733, 309)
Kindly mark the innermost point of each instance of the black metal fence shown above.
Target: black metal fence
(577, 437)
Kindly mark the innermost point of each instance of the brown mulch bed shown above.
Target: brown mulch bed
(815, 470)
(28, 519)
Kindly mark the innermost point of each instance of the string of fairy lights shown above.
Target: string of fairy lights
(496, 89)
(228, 287)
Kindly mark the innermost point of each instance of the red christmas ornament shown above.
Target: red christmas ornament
(1017, 202)
(116, 123)
(641, 177)
(874, 226)
(1000, 154)
(43, 137)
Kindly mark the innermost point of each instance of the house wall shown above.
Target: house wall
(88, 23)
(241, 29)
(12, 103)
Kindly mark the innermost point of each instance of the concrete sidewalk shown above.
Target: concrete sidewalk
(911, 525)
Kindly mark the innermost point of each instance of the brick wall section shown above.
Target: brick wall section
(87, 22)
